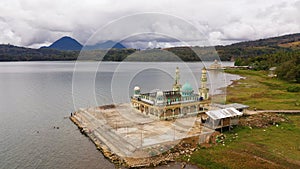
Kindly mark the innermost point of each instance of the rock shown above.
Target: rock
(183, 165)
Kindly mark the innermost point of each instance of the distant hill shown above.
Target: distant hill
(60, 50)
(65, 43)
(15, 53)
(105, 45)
(259, 47)
(282, 54)
(290, 40)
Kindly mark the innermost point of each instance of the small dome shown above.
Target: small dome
(186, 87)
(137, 88)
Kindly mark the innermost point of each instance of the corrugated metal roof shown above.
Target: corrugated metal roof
(223, 113)
(234, 105)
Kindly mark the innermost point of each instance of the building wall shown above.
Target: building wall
(170, 111)
(219, 123)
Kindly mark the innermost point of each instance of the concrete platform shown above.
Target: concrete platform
(128, 133)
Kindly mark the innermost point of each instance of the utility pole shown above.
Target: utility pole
(142, 128)
(174, 136)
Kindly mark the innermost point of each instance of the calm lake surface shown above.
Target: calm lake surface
(35, 97)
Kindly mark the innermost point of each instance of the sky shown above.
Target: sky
(36, 23)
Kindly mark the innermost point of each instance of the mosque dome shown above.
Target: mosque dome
(137, 88)
(186, 87)
(136, 91)
(187, 90)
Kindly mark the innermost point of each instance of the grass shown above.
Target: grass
(272, 147)
(262, 92)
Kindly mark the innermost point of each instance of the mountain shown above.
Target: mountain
(291, 40)
(65, 43)
(68, 43)
(268, 46)
(105, 45)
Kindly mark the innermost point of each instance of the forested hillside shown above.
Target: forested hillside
(241, 52)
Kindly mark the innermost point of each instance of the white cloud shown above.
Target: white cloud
(39, 22)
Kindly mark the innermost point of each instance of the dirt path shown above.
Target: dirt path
(251, 112)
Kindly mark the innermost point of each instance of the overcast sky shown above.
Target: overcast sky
(34, 23)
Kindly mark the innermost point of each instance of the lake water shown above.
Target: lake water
(35, 97)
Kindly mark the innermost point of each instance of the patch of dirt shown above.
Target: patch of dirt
(258, 95)
(263, 120)
(110, 106)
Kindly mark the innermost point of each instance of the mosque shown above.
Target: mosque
(179, 102)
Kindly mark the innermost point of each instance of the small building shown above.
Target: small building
(216, 66)
(182, 101)
(218, 119)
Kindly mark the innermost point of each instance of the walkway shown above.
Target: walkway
(251, 112)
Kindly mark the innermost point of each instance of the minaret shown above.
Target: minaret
(176, 85)
(203, 91)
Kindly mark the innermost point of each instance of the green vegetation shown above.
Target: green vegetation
(276, 146)
(287, 63)
(249, 49)
(14, 53)
(196, 53)
(262, 92)
(293, 89)
(281, 52)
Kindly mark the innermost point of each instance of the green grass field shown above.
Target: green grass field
(245, 147)
(271, 147)
(262, 92)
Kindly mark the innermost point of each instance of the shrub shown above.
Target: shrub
(293, 89)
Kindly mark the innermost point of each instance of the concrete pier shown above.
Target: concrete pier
(132, 139)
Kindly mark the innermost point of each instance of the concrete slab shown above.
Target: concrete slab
(128, 133)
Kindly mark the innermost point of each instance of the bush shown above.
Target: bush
(293, 89)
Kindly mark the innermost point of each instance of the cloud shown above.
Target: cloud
(40, 22)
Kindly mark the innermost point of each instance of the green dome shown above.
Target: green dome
(186, 87)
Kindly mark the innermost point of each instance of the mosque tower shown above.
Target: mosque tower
(177, 85)
(203, 90)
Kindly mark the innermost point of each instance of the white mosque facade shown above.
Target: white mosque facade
(181, 101)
